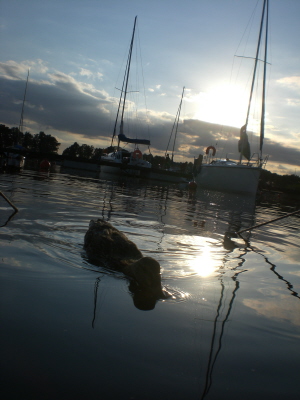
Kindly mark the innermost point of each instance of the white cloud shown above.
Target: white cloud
(293, 102)
(90, 74)
(290, 81)
(85, 72)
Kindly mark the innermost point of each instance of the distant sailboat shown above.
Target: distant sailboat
(121, 161)
(226, 175)
(121, 156)
(15, 160)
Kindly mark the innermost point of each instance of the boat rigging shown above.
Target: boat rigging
(175, 128)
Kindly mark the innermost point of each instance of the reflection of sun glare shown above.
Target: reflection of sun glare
(204, 264)
(224, 105)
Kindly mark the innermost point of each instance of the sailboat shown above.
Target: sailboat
(226, 175)
(131, 162)
(13, 160)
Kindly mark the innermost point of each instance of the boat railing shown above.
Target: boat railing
(264, 161)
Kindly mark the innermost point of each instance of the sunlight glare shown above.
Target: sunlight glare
(204, 264)
(223, 105)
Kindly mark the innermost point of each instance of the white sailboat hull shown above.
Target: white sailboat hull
(13, 160)
(229, 178)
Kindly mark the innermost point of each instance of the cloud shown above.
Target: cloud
(85, 72)
(12, 70)
(61, 103)
(289, 96)
(76, 110)
(290, 81)
(156, 88)
(293, 102)
(89, 74)
(18, 71)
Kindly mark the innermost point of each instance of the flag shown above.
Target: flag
(243, 145)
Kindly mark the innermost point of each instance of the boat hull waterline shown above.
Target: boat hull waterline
(231, 178)
(156, 174)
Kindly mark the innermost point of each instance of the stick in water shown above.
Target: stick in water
(9, 202)
(268, 222)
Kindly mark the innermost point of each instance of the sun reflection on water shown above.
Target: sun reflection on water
(207, 261)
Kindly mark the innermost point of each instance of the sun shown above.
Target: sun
(223, 105)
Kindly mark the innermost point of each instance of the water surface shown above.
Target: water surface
(71, 329)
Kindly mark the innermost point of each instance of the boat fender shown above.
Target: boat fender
(137, 154)
(211, 148)
(192, 185)
(45, 164)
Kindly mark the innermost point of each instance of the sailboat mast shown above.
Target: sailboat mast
(256, 60)
(119, 106)
(22, 112)
(178, 116)
(127, 75)
(262, 122)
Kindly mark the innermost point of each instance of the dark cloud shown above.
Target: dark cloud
(278, 153)
(60, 103)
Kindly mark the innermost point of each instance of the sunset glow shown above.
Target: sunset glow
(224, 105)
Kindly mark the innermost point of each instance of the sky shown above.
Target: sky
(76, 51)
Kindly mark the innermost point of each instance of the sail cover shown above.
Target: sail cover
(123, 138)
(243, 145)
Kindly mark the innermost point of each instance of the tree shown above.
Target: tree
(86, 151)
(27, 141)
(40, 142)
(43, 143)
(97, 154)
(9, 136)
(82, 151)
(72, 151)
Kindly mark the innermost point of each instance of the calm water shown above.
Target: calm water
(72, 330)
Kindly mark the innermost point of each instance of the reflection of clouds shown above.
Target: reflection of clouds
(297, 273)
(13, 262)
(287, 312)
(280, 241)
(292, 256)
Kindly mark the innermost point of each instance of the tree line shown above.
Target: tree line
(39, 142)
(284, 183)
(83, 151)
